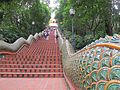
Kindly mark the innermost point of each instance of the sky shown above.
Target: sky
(53, 5)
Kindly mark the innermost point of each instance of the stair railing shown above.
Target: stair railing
(7, 48)
(95, 65)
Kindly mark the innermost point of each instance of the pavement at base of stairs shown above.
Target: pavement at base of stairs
(32, 84)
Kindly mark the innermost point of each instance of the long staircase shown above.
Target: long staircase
(40, 65)
(34, 67)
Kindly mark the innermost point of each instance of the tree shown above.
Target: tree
(16, 17)
(93, 18)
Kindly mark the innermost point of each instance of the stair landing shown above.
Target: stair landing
(32, 84)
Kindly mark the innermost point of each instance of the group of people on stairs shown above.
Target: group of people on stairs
(47, 31)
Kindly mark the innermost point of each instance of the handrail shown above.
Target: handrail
(109, 45)
(60, 36)
(12, 53)
(73, 67)
(7, 48)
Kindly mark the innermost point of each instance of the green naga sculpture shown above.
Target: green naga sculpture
(96, 66)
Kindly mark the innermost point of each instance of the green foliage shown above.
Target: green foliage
(94, 18)
(16, 17)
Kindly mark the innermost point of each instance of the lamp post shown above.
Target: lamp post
(33, 23)
(72, 13)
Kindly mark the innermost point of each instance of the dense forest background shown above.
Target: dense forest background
(93, 19)
(20, 18)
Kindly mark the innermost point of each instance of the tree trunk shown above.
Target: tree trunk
(94, 33)
(108, 21)
(108, 27)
